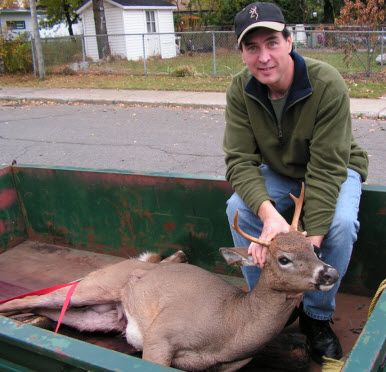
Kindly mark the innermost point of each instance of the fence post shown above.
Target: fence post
(296, 39)
(382, 49)
(83, 53)
(214, 53)
(144, 54)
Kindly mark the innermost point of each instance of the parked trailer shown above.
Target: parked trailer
(57, 224)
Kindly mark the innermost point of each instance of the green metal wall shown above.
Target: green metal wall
(12, 230)
(123, 214)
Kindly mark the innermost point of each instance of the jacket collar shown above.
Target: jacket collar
(300, 88)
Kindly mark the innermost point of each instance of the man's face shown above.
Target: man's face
(266, 54)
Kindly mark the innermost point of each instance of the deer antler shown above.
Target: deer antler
(236, 227)
(298, 209)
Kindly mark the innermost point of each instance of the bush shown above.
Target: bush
(15, 52)
(181, 71)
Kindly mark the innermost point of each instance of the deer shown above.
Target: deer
(183, 316)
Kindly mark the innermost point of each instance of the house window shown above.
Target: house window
(150, 21)
(16, 25)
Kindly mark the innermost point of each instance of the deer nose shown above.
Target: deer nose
(328, 275)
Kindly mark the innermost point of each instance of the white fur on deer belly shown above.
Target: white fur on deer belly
(133, 335)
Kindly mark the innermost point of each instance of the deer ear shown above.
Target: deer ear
(237, 256)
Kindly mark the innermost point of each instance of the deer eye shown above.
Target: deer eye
(284, 261)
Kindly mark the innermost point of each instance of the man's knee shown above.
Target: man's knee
(234, 203)
(344, 227)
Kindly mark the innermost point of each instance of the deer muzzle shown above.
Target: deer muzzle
(327, 277)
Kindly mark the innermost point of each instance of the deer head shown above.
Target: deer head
(292, 265)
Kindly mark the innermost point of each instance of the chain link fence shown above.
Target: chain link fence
(212, 53)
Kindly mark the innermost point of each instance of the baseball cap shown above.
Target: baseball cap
(258, 14)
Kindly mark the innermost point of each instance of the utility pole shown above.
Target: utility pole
(37, 42)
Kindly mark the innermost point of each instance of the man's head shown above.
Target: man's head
(265, 46)
(267, 15)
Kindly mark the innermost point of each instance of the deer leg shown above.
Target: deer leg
(86, 293)
(98, 318)
(157, 351)
(51, 300)
(156, 347)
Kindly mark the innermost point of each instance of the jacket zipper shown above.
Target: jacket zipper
(279, 124)
(280, 134)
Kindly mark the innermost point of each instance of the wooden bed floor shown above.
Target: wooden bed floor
(32, 265)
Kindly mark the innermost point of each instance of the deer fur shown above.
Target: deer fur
(183, 316)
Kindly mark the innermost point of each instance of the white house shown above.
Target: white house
(135, 28)
(17, 21)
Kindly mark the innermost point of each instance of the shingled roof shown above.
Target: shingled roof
(133, 3)
(143, 2)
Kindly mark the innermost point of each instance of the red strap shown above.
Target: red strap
(65, 305)
(49, 290)
(38, 292)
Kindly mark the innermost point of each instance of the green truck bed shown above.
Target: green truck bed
(121, 214)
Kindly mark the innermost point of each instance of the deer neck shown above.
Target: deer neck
(263, 294)
(256, 317)
(265, 302)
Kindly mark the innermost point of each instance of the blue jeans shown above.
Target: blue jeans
(337, 244)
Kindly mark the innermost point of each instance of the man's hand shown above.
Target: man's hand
(273, 224)
(316, 240)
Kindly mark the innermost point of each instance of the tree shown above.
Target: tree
(294, 11)
(203, 8)
(307, 9)
(227, 11)
(360, 16)
(331, 10)
(101, 29)
(61, 11)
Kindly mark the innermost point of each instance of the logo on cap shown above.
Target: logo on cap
(253, 12)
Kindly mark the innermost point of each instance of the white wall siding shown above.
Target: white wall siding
(16, 17)
(165, 20)
(89, 30)
(134, 23)
(167, 41)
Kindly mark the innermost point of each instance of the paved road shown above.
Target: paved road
(147, 139)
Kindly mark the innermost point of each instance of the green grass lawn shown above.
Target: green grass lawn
(188, 72)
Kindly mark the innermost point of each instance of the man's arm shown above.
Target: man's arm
(243, 156)
(327, 167)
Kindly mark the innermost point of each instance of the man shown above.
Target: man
(288, 121)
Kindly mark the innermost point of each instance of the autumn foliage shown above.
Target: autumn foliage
(362, 19)
(15, 52)
(362, 14)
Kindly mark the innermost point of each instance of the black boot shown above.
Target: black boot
(321, 337)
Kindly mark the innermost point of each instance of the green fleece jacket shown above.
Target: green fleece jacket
(313, 141)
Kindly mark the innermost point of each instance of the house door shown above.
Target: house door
(153, 46)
